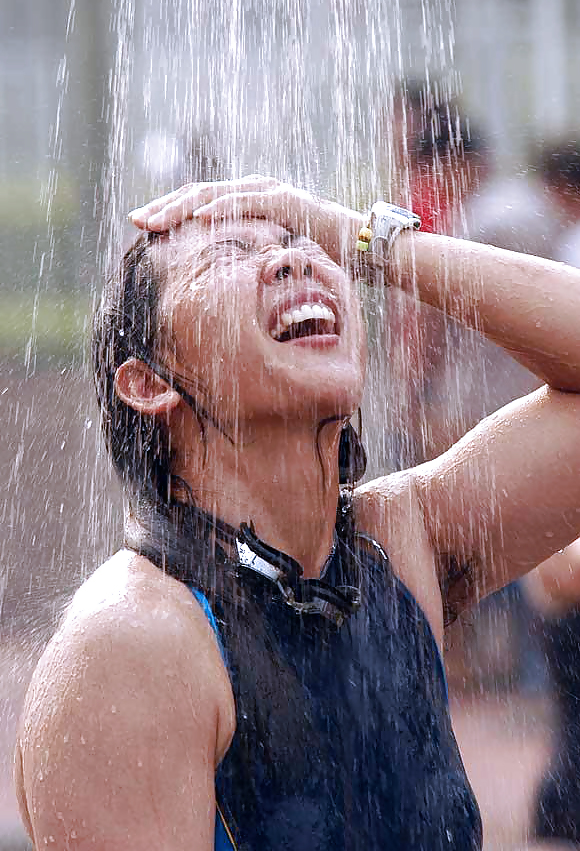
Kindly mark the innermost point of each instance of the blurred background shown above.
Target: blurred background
(456, 108)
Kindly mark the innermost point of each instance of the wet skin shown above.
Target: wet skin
(136, 642)
(276, 402)
(228, 288)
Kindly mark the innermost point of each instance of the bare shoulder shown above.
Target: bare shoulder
(129, 702)
(390, 510)
(130, 621)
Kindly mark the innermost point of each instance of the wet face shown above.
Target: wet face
(262, 324)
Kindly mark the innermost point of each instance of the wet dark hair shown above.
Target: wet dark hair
(126, 325)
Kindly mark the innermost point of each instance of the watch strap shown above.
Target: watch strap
(385, 223)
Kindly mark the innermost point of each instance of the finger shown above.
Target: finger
(174, 213)
(243, 205)
(218, 187)
(283, 205)
(257, 180)
(140, 215)
(180, 206)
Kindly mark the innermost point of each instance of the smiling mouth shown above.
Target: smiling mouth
(308, 320)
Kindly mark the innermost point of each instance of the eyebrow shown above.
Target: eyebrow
(287, 240)
(234, 242)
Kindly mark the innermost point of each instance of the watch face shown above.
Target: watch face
(388, 220)
(407, 215)
(386, 217)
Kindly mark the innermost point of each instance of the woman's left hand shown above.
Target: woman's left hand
(333, 227)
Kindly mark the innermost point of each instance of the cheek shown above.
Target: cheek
(226, 305)
(203, 316)
(216, 345)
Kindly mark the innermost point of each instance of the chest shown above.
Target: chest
(343, 737)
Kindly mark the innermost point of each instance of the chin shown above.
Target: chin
(318, 386)
(323, 398)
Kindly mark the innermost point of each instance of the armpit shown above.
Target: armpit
(457, 582)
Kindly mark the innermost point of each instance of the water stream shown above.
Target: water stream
(304, 90)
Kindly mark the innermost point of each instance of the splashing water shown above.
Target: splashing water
(304, 90)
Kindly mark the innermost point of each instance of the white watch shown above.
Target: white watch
(385, 223)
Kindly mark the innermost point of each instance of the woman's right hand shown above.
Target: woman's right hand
(171, 210)
(333, 227)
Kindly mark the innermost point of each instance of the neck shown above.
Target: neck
(285, 483)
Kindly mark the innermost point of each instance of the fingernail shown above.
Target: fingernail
(135, 214)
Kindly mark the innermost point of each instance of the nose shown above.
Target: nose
(291, 263)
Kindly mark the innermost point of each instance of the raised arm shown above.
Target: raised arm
(527, 305)
(508, 495)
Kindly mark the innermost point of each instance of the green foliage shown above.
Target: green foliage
(43, 328)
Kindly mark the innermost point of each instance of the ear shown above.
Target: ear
(143, 390)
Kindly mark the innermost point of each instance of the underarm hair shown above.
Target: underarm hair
(457, 584)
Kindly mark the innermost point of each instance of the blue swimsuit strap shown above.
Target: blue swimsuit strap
(203, 602)
(224, 841)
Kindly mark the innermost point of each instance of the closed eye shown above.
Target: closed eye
(224, 247)
(219, 245)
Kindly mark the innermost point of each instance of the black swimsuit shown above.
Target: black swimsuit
(343, 739)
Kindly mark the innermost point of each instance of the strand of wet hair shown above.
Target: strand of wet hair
(201, 413)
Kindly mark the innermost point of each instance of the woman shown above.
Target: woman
(260, 664)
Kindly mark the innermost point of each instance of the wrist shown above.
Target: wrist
(378, 238)
(336, 228)
(385, 223)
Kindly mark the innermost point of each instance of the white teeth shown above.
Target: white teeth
(307, 311)
(317, 311)
(328, 314)
(302, 314)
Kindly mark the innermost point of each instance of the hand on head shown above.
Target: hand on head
(255, 197)
(191, 201)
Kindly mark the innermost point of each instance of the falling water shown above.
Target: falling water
(304, 90)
